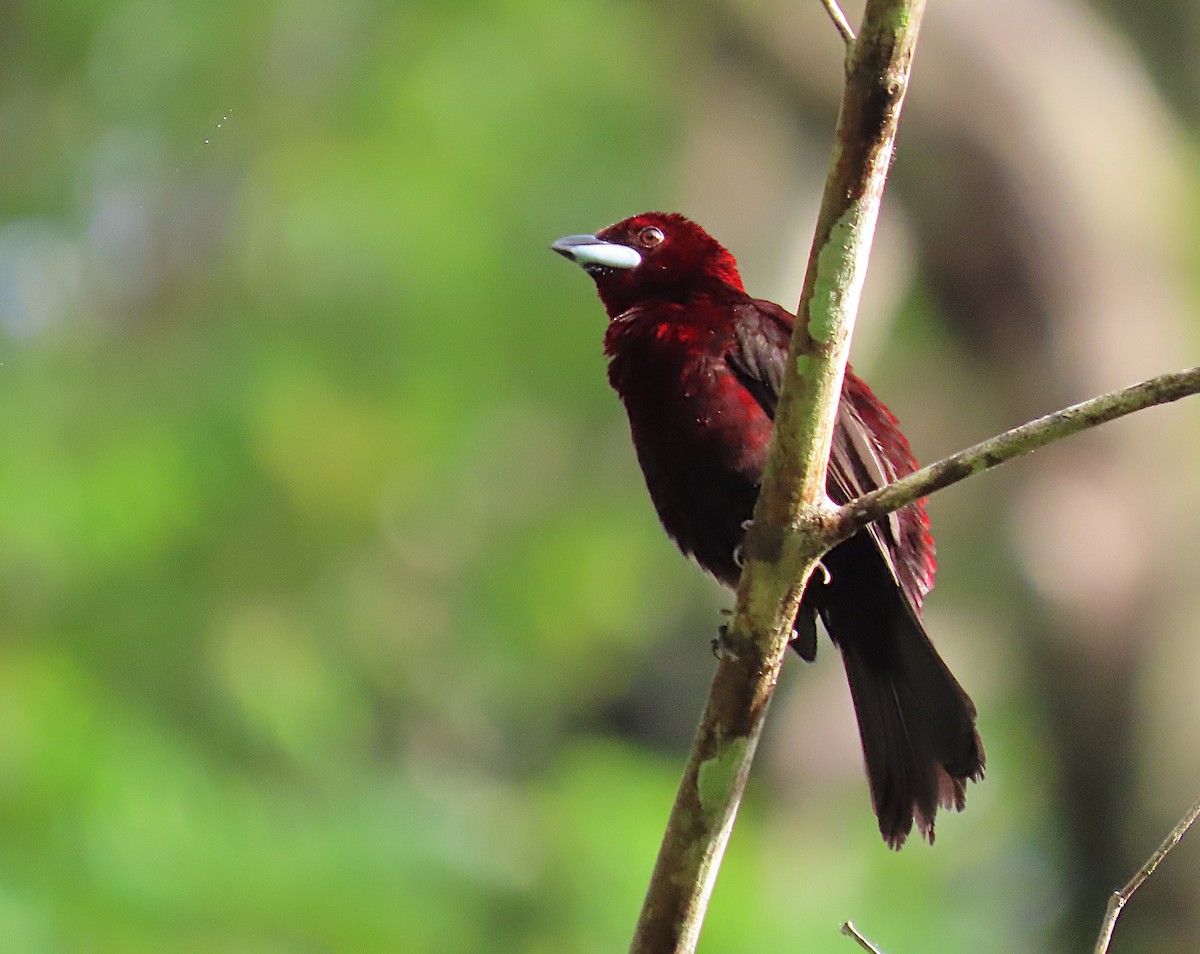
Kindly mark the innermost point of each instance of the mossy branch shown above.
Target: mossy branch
(794, 519)
(1013, 443)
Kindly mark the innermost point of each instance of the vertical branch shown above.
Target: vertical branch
(793, 521)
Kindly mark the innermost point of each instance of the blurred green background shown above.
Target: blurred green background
(333, 614)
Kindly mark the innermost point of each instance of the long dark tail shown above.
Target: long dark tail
(916, 722)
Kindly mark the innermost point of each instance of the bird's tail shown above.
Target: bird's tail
(916, 722)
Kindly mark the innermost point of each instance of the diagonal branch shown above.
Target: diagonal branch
(839, 20)
(865, 943)
(1119, 898)
(1020, 440)
(792, 520)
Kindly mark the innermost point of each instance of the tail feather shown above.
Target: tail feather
(916, 722)
(914, 765)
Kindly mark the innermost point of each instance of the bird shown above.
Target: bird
(698, 363)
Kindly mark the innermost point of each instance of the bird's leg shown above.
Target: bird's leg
(722, 646)
(739, 555)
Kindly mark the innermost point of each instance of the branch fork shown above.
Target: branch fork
(795, 523)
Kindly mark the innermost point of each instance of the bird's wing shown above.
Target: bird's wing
(868, 450)
(762, 332)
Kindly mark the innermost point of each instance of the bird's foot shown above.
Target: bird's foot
(739, 554)
(722, 646)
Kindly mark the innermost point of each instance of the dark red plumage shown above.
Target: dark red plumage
(698, 363)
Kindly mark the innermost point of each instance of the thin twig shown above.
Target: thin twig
(842, 24)
(1120, 898)
(849, 929)
(1020, 440)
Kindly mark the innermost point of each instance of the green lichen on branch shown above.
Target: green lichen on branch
(718, 775)
(792, 508)
(835, 274)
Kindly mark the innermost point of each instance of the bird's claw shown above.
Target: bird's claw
(826, 575)
(739, 553)
(722, 648)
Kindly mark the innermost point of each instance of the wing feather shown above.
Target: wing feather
(868, 451)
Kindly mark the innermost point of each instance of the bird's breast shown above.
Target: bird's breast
(678, 388)
(701, 439)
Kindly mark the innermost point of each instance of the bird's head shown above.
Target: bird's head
(654, 256)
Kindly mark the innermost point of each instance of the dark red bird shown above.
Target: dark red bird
(698, 364)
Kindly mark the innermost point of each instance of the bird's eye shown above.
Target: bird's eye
(650, 236)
